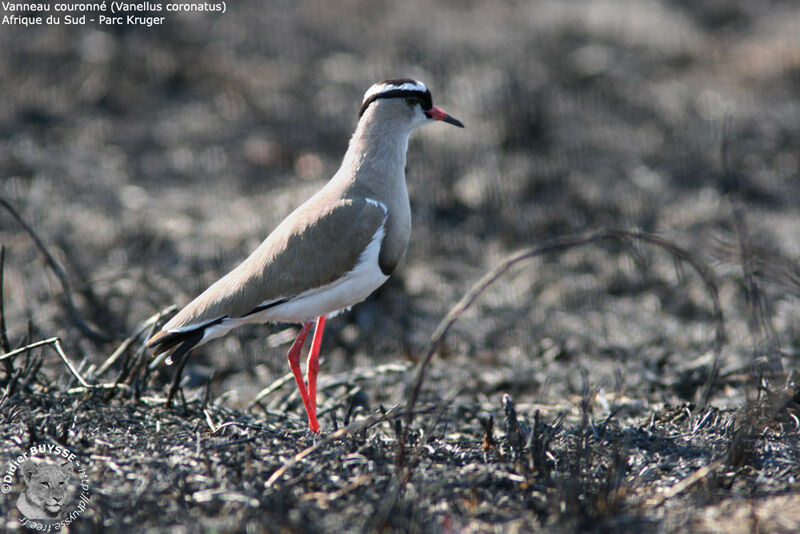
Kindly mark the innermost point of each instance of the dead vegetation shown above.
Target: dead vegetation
(220, 468)
(617, 341)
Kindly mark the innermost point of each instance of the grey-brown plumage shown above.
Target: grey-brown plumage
(333, 250)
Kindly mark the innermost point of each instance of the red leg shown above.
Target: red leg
(312, 367)
(294, 364)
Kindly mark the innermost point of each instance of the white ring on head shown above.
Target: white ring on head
(381, 87)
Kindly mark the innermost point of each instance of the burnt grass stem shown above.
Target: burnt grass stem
(555, 246)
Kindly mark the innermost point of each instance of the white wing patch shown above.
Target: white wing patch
(379, 204)
(219, 330)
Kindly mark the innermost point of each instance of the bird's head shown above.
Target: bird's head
(406, 101)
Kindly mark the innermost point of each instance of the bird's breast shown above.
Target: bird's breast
(398, 232)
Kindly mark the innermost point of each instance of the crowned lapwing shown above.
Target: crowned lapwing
(339, 246)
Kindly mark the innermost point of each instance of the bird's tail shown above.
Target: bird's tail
(175, 344)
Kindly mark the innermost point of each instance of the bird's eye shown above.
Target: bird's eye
(412, 101)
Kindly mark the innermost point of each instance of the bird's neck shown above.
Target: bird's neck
(377, 154)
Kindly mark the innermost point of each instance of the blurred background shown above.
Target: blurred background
(151, 160)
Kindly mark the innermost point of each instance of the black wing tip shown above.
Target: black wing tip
(188, 342)
(163, 341)
(173, 336)
(178, 343)
(175, 344)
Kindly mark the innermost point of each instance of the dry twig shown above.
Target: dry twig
(72, 310)
(749, 257)
(685, 484)
(4, 344)
(150, 321)
(56, 344)
(353, 428)
(560, 245)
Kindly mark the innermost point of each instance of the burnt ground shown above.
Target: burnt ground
(582, 391)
